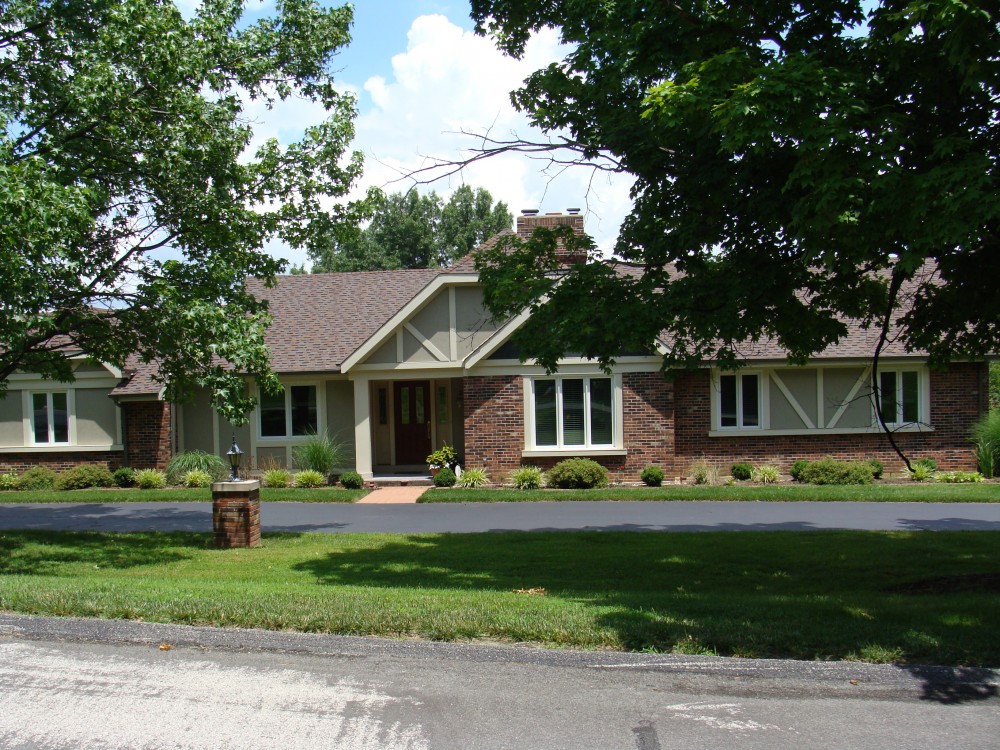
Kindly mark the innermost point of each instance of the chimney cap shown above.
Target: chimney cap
(529, 212)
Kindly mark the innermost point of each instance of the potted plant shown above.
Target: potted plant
(443, 456)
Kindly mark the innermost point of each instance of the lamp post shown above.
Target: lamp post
(234, 454)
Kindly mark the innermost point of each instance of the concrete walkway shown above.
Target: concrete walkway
(392, 495)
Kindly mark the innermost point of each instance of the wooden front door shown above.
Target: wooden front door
(412, 421)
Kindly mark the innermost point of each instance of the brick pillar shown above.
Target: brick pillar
(236, 513)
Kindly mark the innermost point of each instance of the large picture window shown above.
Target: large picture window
(50, 418)
(739, 401)
(899, 393)
(573, 412)
(292, 413)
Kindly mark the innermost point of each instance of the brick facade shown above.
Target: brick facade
(148, 433)
(667, 424)
(59, 461)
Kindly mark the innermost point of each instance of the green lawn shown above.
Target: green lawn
(924, 597)
(913, 492)
(176, 495)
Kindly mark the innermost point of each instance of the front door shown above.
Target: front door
(412, 421)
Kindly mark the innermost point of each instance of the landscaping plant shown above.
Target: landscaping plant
(150, 479)
(878, 468)
(703, 472)
(741, 471)
(765, 474)
(527, 478)
(84, 476)
(276, 478)
(37, 478)
(652, 476)
(445, 478)
(986, 435)
(124, 476)
(187, 461)
(8, 481)
(959, 477)
(351, 480)
(309, 479)
(472, 478)
(920, 472)
(197, 478)
(798, 468)
(444, 457)
(319, 452)
(578, 473)
(830, 471)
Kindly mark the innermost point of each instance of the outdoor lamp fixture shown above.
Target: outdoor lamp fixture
(234, 454)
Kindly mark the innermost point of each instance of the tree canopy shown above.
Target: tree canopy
(413, 230)
(133, 206)
(796, 164)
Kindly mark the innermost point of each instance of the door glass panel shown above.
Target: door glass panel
(727, 400)
(418, 403)
(303, 409)
(572, 396)
(600, 411)
(911, 397)
(60, 418)
(404, 405)
(751, 406)
(887, 393)
(40, 416)
(545, 412)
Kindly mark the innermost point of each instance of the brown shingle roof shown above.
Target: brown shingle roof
(320, 319)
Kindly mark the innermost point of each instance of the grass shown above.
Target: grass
(903, 493)
(918, 597)
(179, 495)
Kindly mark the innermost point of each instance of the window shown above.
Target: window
(739, 401)
(292, 413)
(570, 412)
(50, 418)
(899, 392)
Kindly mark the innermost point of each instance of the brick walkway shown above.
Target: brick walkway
(387, 495)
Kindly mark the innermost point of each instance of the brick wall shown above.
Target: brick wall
(147, 433)
(956, 402)
(494, 423)
(20, 462)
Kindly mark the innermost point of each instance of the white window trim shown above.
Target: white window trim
(272, 441)
(923, 398)
(603, 449)
(28, 417)
(763, 402)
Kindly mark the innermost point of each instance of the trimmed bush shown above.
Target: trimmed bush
(798, 468)
(319, 452)
(197, 478)
(310, 479)
(150, 479)
(276, 478)
(527, 478)
(959, 477)
(741, 471)
(83, 476)
(652, 476)
(765, 474)
(472, 478)
(352, 480)
(37, 478)
(830, 471)
(445, 478)
(124, 476)
(8, 482)
(578, 474)
(187, 461)
(928, 463)
(877, 468)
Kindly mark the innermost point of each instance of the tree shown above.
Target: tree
(796, 164)
(411, 230)
(133, 208)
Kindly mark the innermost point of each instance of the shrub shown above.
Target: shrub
(920, 472)
(765, 474)
(960, 477)
(742, 471)
(703, 472)
(197, 478)
(182, 463)
(352, 480)
(309, 479)
(877, 468)
(527, 478)
(83, 476)
(319, 453)
(929, 463)
(8, 481)
(150, 479)
(578, 473)
(652, 476)
(471, 478)
(445, 456)
(37, 478)
(276, 478)
(124, 476)
(986, 435)
(798, 468)
(829, 471)
(445, 478)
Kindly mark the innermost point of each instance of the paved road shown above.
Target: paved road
(475, 517)
(95, 684)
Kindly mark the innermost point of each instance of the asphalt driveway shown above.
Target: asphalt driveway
(480, 517)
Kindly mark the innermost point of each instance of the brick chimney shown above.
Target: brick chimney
(531, 219)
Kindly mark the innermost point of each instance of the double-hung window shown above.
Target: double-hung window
(899, 394)
(292, 413)
(573, 412)
(50, 418)
(739, 401)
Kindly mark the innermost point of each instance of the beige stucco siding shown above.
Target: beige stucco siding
(11, 428)
(801, 384)
(837, 385)
(433, 322)
(96, 417)
(340, 416)
(472, 321)
(196, 419)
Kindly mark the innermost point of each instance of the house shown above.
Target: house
(396, 363)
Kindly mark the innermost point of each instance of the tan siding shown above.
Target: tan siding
(837, 385)
(414, 351)
(802, 385)
(434, 322)
(11, 429)
(385, 354)
(340, 416)
(196, 418)
(472, 320)
(96, 417)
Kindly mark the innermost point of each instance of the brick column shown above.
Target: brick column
(236, 513)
